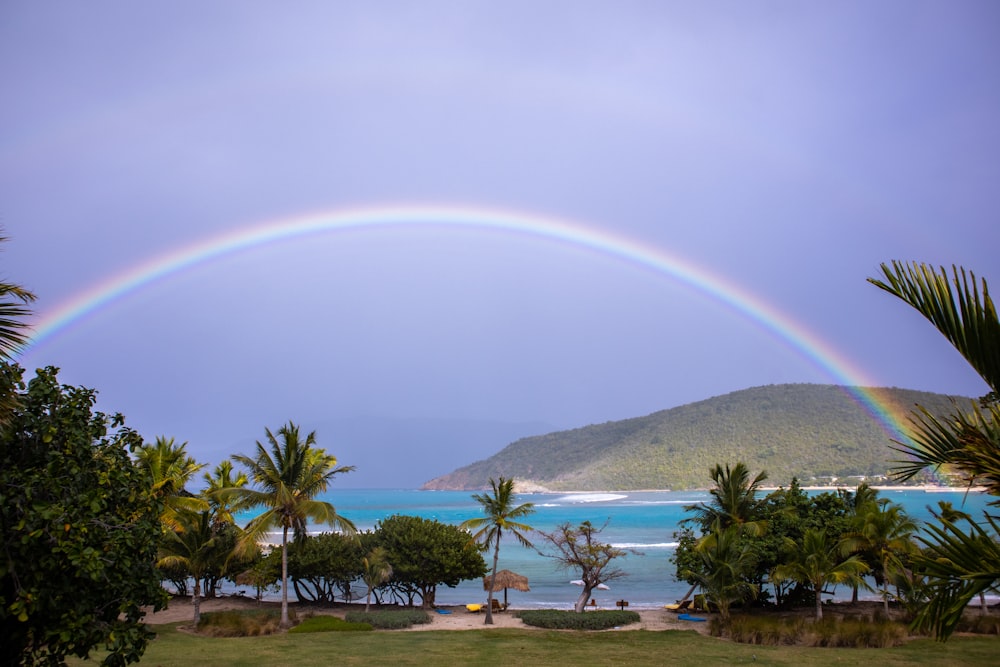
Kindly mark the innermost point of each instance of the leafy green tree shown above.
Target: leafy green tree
(375, 571)
(321, 565)
(80, 529)
(426, 553)
(883, 534)
(501, 515)
(579, 548)
(170, 469)
(190, 546)
(290, 473)
(725, 568)
(816, 561)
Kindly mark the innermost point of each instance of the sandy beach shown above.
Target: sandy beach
(180, 610)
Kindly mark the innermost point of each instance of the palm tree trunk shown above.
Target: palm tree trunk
(819, 603)
(197, 603)
(885, 590)
(284, 577)
(493, 581)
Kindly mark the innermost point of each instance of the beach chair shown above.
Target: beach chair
(474, 608)
(497, 606)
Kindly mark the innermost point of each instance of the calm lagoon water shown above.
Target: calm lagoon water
(641, 520)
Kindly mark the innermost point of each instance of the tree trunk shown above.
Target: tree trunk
(885, 590)
(368, 600)
(854, 594)
(284, 578)
(819, 604)
(197, 603)
(493, 581)
(581, 602)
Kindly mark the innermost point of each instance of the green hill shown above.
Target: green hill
(813, 432)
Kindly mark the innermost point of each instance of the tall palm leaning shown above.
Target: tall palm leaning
(967, 440)
(289, 473)
(501, 515)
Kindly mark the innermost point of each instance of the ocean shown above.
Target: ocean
(643, 521)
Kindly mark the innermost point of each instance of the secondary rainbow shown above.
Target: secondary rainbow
(91, 301)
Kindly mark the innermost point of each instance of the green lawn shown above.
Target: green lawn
(535, 647)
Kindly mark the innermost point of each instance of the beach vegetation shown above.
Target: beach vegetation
(426, 553)
(726, 568)
(501, 515)
(375, 571)
(288, 473)
(189, 545)
(960, 559)
(241, 623)
(578, 548)
(817, 562)
(390, 619)
(322, 567)
(765, 630)
(80, 528)
(558, 619)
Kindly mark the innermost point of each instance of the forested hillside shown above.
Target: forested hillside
(812, 432)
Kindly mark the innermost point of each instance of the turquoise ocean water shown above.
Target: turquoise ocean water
(641, 520)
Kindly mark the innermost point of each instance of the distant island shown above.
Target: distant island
(817, 433)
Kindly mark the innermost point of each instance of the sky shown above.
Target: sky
(730, 173)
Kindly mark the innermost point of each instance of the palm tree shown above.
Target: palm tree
(967, 440)
(191, 546)
(734, 499)
(170, 469)
(222, 508)
(501, 515)
(726, 561)
(815, 562)
(884, 533)
(13, 310)
(854, 502)
(289, 474)
(375, 571)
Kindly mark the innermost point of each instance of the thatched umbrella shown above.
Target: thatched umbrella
(506, 579)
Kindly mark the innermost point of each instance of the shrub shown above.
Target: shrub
(251, 623)
(555, 619)
(330, 624)
(762, 630)
(847, 633)
(393, 619)
(980, 625)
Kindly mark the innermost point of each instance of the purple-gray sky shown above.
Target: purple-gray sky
(786, 147)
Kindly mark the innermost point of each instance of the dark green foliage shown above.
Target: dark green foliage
(80, 529)
(390, 619)
(252, 623)
(555, 619)
(793, 430)
(425, 553)
(323, 566)
(330, 624)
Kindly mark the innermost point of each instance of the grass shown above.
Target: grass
(555, 619)
(390, 619)
(241, 623)
(536, 647)
(799, 631)
(329, 624)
